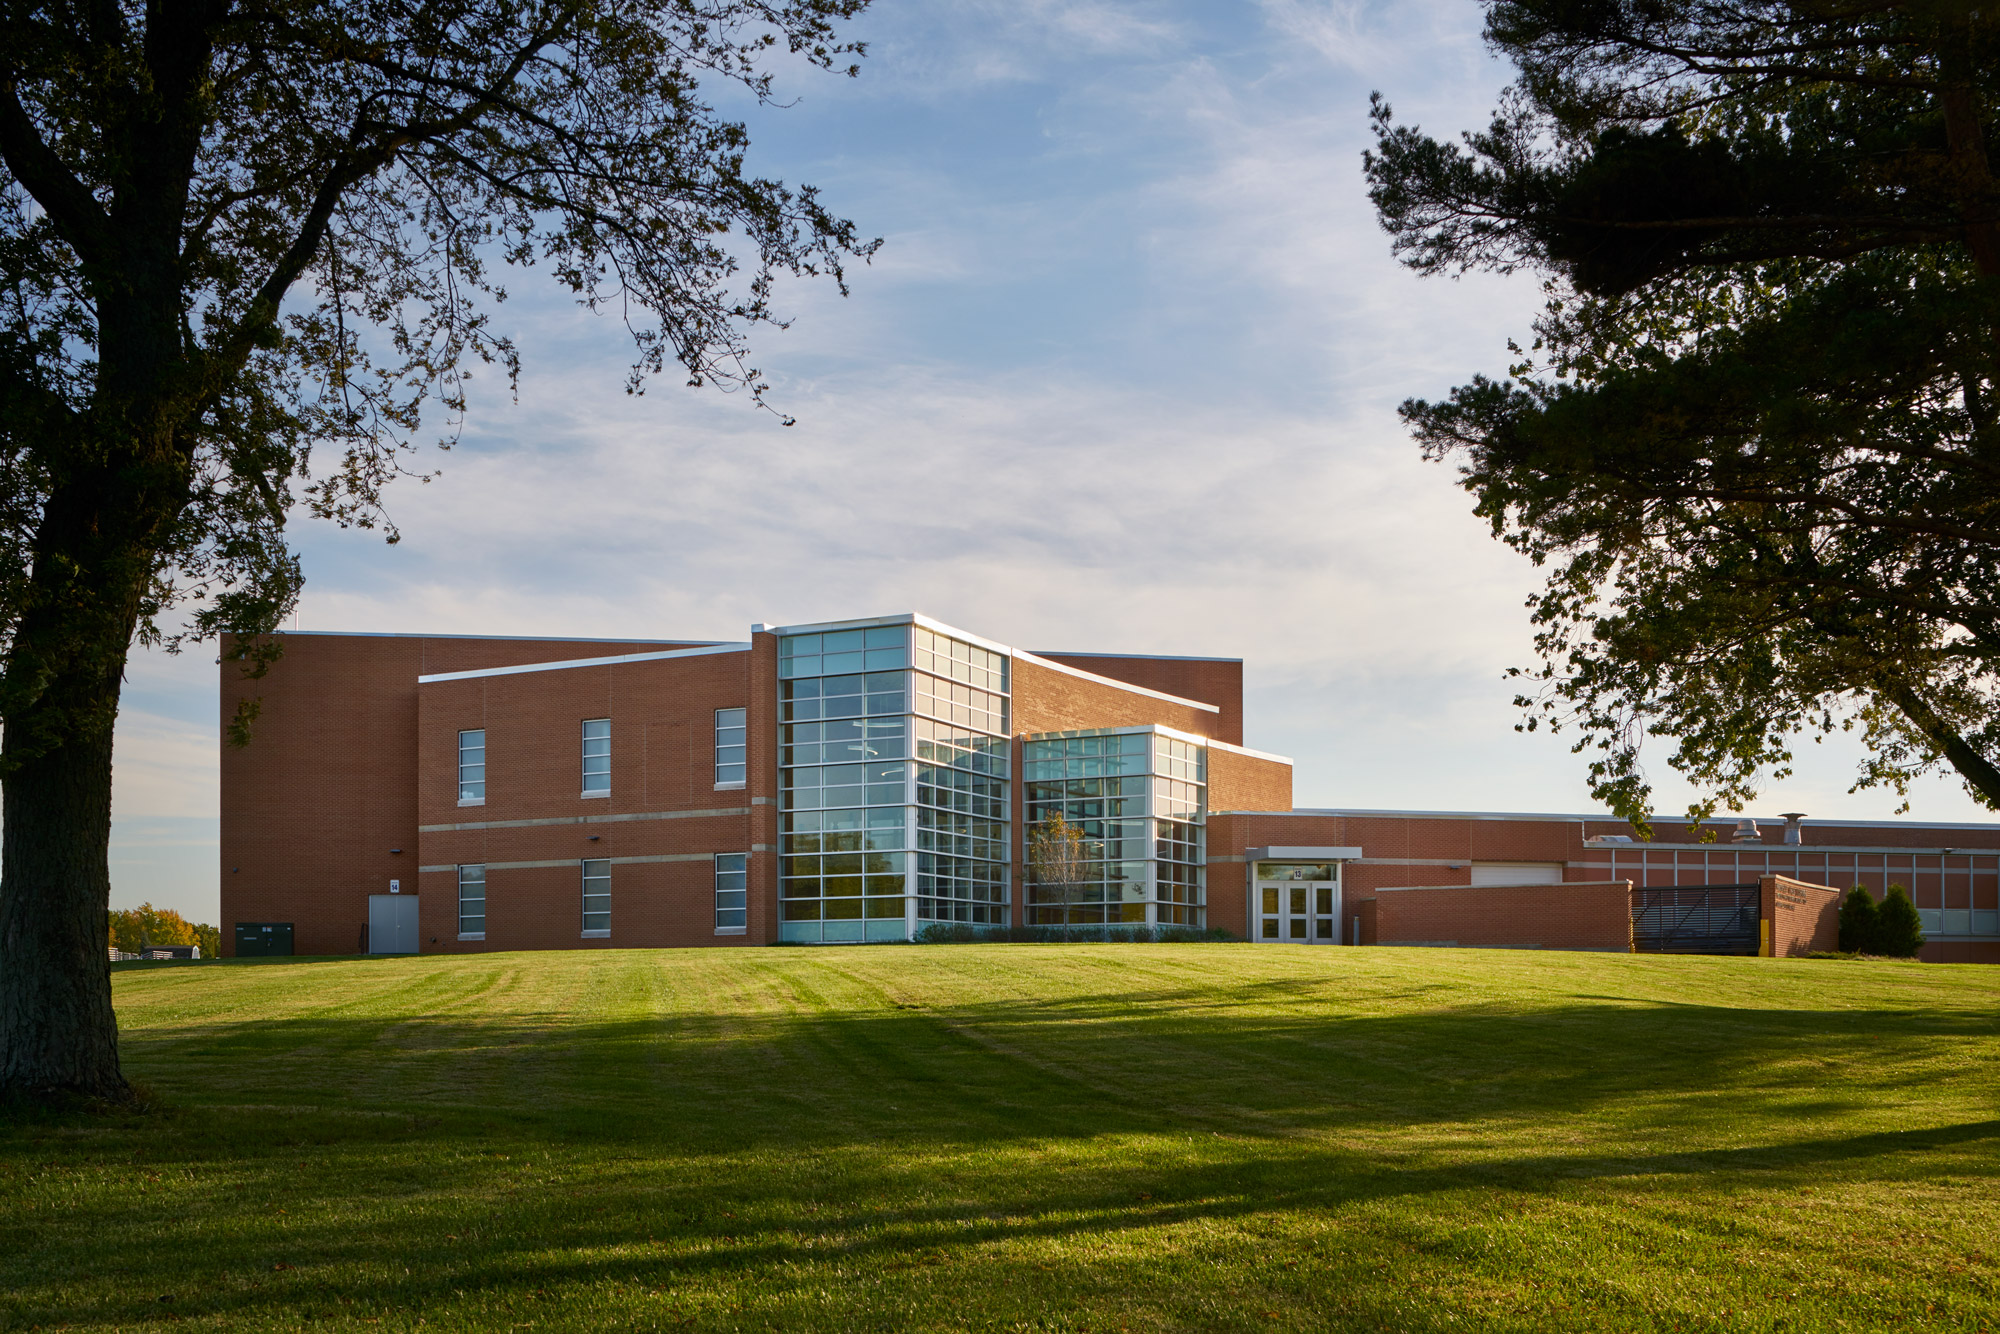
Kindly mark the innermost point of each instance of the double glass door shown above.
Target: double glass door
(1299, 905)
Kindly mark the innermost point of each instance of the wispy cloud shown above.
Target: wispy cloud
(1124, 377)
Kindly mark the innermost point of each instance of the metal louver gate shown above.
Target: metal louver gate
(1695, 919)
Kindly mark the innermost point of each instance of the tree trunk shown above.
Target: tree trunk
(94, 555)
(58, 1033)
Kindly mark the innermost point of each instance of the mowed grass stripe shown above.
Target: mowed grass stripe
(1060, 1138)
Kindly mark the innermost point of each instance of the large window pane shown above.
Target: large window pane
(471, 900)
(596, 756)
(597, 895)
(731, 890)
(472, 765)
(731, 747)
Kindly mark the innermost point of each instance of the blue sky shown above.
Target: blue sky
(1123, 377)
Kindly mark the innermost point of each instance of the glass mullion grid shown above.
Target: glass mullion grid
(1138, 801)
(894, 783)
(961, 790)
(844, 783)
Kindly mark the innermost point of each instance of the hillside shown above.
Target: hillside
(1207, 1137)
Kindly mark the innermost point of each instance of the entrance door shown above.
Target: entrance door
(392, 923)
(1299, 905)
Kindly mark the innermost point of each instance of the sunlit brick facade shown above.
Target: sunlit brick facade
(863, 780)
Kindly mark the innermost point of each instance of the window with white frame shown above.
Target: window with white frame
(471, 902)
(732, 887)
(472, 767)
(597, 757)
(731, 747)
(597, 898)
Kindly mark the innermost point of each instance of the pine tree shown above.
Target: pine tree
(1860, 923)
(1899, 931)
(1752, 444)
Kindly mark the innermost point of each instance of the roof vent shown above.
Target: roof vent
(1793, 834)
(1746, 832)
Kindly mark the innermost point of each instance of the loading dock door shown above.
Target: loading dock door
(392, 923)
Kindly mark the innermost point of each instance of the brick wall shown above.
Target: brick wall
(1217, 681)
(314, 809)
(1576, 916)
(660, 825)
(1046, 700)
(1247, 782)
(1803, 917)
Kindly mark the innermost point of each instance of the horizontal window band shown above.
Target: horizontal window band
(711, 813)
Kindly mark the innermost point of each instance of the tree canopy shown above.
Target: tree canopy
(1754, 439)
(245, 245)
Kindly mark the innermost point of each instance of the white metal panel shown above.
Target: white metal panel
(1517, 873)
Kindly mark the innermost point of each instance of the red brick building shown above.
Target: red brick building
(859, 780)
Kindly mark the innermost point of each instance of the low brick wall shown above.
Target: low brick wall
(1800, 917)
(1595, 915)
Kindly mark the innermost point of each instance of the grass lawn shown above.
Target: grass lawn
(1107, 1137)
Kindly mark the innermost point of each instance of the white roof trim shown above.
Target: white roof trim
(498, 639)
(582, 662)
(901, 618)
(1253, 754)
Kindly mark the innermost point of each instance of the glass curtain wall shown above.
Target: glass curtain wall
(1138, 799)
(893, 775)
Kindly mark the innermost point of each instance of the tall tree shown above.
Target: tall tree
(238, 231)
(1756, 440)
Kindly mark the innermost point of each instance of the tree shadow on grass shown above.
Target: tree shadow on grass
(500, 1152)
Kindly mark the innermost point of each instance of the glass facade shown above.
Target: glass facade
(1138, 799)
(893, 761)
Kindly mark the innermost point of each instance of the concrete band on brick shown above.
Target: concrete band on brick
(709, 813)
(350, 784)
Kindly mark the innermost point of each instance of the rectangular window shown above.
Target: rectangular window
(597, 757)
(597, 898)
(472, 903)
(732, 883)
(472, 767)
(730, 748)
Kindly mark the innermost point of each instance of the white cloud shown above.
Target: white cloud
(164, 767)
(1124, 379)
